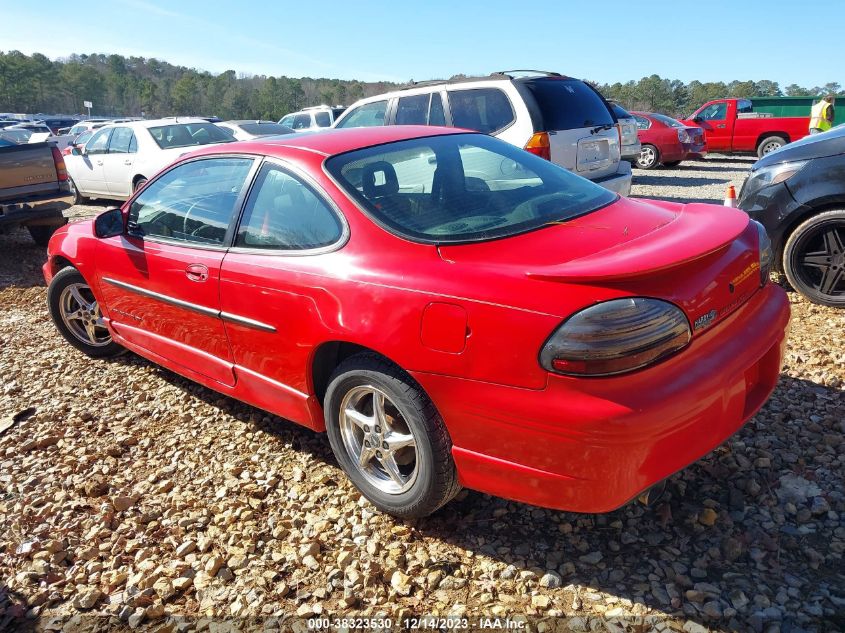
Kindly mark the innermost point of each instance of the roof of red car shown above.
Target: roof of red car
(333, 141)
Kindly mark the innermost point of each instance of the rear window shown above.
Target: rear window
(323, 119)
(265, 129)
(567, 104)
(667, 120)
(619, 111)
(485, 110)
(462, 188)
(188, 134)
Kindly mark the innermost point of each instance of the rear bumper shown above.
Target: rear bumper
(619, 182)
(36, 210)
(591, 445)
(632, 151)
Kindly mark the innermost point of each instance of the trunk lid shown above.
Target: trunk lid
(702, 257)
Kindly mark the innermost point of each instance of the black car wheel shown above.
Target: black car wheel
(76, 197)
(814, 258)
(389, 438)
(649, 157)
(41, 234)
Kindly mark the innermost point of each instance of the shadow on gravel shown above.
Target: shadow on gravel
(658, 180)
(682, 199)
(20, 260)
(698, 167)
(13, 608)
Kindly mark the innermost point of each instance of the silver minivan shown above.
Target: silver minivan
(562, 119)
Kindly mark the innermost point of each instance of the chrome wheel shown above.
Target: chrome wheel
(647, 158)
(771, 146)
(80, 312)
(378, 439)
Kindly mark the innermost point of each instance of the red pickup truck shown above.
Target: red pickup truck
(733, 126)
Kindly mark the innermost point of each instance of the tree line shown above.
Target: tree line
(138, 86)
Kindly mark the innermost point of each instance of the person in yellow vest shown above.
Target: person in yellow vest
(821, 115)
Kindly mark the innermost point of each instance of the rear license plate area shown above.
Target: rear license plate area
(593, 153)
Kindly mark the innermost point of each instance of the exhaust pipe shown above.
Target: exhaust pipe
(652, 495)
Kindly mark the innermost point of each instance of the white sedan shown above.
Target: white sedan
(121, 157)
(248, 130)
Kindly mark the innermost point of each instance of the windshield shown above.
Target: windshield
(265, 128)
(462, 187)
(187, 134)
(18, 136)
(667, 120)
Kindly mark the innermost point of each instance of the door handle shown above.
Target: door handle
(99, 162)
(127, 162)
(197, 272)
(721, 125)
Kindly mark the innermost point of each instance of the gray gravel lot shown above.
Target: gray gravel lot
(133, 494)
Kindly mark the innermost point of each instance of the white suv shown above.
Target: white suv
(559, 118)
(314, 118)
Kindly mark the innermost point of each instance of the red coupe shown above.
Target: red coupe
(452, 310)
(665, 141)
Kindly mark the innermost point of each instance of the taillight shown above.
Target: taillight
(683, 135)
(616, 336)
(61, 170)
(539, 145)
(619, 133)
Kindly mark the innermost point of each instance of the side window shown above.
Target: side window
(482, 109)
(121, 140)
(412, 110)
(323, 119)
(743, 106)
(284, 213)
(287, 121)
(714, 112)
(367, 115)
(99, 143)
(642, 122)
(193, 202)
(436, 115)
(301, 121)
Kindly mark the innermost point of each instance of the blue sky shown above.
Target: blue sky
(608, 41)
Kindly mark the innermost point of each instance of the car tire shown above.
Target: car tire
(76, 197)
(814, 258)
(649, 157)
(140, 182)
(770, 144)
(424, 476)
(70, 294)
(672, 163)
(41, 234)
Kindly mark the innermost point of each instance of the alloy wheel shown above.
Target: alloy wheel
(378, 439)
(771, 146)
(822, 263)
(647, 157)
(80, 312)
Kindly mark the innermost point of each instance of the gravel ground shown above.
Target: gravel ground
(132, 494)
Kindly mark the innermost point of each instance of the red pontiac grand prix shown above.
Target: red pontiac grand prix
(451, 310)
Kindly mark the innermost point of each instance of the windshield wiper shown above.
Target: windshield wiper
(601, 128)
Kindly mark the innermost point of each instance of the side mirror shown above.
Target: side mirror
(109, 223)
(75, 151)
(697, 119)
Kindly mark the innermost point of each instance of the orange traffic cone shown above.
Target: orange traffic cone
(730, 197)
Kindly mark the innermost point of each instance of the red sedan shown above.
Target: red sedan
(665, 141)
(450, 309)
